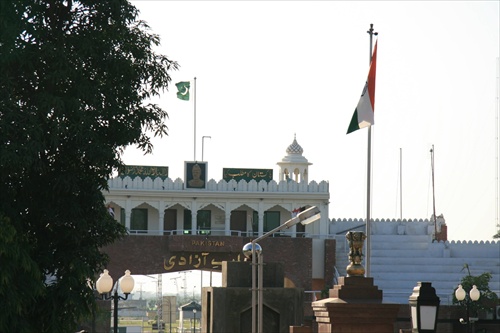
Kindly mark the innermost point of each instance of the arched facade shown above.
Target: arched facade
(159, 207)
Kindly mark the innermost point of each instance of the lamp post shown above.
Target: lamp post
(194, 320)
(424, 305)
(203, 145)
(104, 286)
(462, 296)
(254, 250)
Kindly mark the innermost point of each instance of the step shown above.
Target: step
(397, 246)
(410, 283)
(459, 262)
(402, 297)
(399, 270)
(436, 268)
(401, 239)
(424, 276)
(444, 287)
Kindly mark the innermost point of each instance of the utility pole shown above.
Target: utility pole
(159, 302)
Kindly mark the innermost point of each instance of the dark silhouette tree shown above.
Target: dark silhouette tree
(75, 80)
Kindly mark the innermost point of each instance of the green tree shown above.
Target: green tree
(75, 80)
(487, 298)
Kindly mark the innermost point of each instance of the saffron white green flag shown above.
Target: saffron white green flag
(363, 115)
(183, 90)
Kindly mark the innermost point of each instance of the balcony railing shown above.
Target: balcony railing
(235, 233)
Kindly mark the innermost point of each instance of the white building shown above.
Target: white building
(249, 202)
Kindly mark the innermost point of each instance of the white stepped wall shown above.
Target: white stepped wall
(442, 264)
(402, 254)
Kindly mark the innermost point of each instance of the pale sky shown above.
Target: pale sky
(269, 70)
(184, 283)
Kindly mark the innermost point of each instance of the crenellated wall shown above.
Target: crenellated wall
(221, 186)
(387, 226)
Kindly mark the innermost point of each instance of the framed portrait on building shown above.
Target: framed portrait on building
(195, 175)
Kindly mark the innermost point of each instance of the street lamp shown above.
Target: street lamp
(104, 286)
(203, 145)
(473, 296)
(424, 305)
(254, 250)
(194, 320)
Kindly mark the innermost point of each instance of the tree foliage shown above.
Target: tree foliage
(75, 80)
(487, 298)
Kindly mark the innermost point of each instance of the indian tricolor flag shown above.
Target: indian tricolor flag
(363, 115)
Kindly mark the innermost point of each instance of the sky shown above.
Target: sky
(267, 71)
(186, 284)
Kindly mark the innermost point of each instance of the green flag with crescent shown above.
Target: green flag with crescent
(183, 90)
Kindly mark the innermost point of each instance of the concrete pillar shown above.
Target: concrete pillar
(194, 215)
(227, 219)
(128, 212)
(161, 217)
(261, 218)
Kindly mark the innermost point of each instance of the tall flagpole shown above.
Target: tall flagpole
(433, 195)
(194, 140)
(401, 184)
(368, 176)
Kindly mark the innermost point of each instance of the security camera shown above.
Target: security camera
(462, 321)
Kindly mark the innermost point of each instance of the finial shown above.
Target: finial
(371, 30)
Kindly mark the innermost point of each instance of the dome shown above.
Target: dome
(294, 148)
(294, 154)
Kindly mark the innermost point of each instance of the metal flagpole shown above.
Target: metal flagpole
(194, 139)
(433, 195)
(368, 176)
(254, 289)
(260, 293)
(401, 184)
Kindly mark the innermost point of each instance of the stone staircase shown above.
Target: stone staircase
(398, 262)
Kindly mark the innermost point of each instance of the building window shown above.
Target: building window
(203, 222)
(139, 220)
(122, 216)
(238, 221)
(271, 221)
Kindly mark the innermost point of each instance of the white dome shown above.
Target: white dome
(294, 154)
(294, 148)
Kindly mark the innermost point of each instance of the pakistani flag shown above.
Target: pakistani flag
(183, 90)
(363, 115)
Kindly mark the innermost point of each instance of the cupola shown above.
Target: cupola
(294, 166)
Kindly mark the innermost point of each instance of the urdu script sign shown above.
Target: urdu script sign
(247, 174)
(144, 171)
